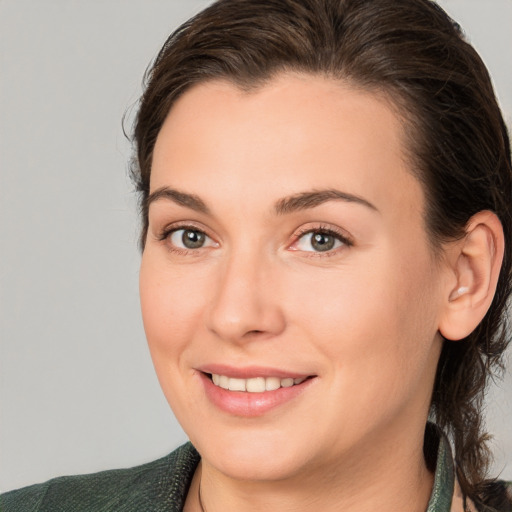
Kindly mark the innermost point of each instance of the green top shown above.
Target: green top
(159, 486)
(162, 486)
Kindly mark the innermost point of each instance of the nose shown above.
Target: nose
(245, 305)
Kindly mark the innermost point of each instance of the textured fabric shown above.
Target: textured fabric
(162, 486)
(444, 477)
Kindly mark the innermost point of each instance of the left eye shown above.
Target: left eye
(187, 238)
(319, 241)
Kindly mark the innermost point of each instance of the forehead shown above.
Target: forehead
(295, 132)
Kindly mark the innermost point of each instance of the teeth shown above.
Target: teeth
(255, 384)
(272, 383)
(236, 384)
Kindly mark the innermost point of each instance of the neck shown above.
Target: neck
(387, 479)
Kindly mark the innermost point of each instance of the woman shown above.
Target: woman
(326, 201)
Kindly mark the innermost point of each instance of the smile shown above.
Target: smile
(255, 384)
(240, 393)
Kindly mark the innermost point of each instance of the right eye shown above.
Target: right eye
(189, 239)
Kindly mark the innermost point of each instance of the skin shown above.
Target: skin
(363, 318)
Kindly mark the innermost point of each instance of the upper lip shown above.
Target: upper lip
(247, 372)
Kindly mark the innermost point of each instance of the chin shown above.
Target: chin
(257, 456)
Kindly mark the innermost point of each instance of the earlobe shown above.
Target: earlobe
(476, 267)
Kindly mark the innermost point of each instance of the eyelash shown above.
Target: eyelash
(337, 234)
(169, 230)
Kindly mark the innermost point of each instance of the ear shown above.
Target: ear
(475, 263)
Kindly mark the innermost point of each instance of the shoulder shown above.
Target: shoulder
(159, 485)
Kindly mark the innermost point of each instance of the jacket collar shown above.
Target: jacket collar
(446, 493)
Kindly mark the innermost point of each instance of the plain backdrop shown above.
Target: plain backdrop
(77, 388)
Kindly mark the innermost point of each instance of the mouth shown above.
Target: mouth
(254, 384)
(252, 392)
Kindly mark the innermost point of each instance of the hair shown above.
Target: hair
(456, 141)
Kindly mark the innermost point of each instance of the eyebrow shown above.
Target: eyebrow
(182, 198)
(311, 199)
(286, 205)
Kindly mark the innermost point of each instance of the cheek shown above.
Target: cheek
(375, 319)
(171, 304)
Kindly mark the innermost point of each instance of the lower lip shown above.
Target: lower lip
(242, 403)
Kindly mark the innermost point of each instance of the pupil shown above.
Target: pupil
(192, 239)
(322, 242)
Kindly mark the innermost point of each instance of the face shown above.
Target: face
(287, 261)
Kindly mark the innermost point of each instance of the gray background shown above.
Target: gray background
(77, 388)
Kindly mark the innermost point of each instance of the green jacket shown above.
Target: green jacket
(162, 485)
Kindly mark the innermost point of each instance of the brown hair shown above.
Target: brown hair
(458, 145)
